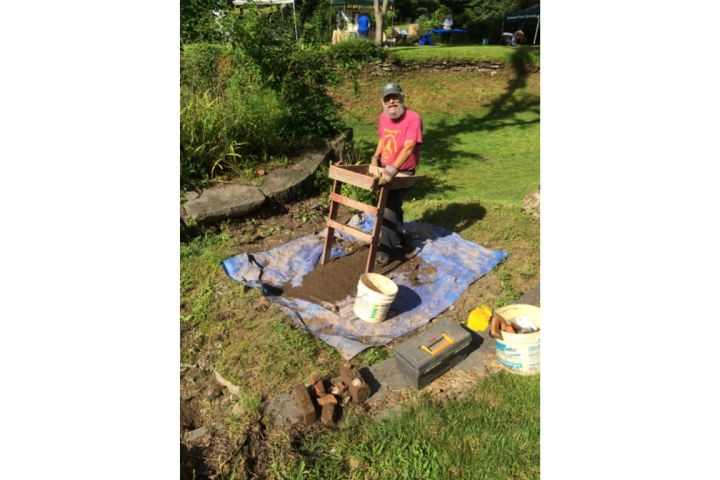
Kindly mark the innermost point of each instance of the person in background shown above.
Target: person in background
(398, 150)
(513, 39)
(363, 25)
(340, 21)
(447, 25)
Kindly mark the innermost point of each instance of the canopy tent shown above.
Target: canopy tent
(531, 13)
(263, 3)
(355, 6)
(526, 14)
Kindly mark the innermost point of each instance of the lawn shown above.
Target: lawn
(490, 433)
(481, 156)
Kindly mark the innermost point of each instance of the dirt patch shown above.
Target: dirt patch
(215, 443)
(338, 279)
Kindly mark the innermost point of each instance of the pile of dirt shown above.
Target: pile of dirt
(338, 279)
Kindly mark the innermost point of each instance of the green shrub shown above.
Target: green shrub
(317, 21)
(260, 94)
(200, 65)
(355, 53)
(350, 56)
(232, 131)
(266, 39)
(313, 111)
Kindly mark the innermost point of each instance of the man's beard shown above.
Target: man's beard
(398, 112)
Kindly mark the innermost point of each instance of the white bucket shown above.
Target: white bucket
(374, 295)
(519, 352)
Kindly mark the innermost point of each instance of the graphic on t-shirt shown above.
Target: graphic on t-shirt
(389, 140)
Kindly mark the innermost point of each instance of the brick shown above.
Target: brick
(359, 390)
(328, 414)
(325, 399)
(346, 374)
(359, 393)
(304, 404)
(318, 386)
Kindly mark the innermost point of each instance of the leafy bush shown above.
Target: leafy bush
(200, 65)
(313, 111)
(266, 39)
(351, 55)
(317, 23)
(258, 95)
(197, 22)
(356, 52)
(231, 131)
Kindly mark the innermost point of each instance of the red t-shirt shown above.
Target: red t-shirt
(395, 133)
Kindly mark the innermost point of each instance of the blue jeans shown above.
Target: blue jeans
(363, 34)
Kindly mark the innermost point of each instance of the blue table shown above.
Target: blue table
(438, 31)
(426, 38)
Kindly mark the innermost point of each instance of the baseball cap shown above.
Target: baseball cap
(391, 88)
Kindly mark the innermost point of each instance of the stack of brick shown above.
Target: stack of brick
(310, 399)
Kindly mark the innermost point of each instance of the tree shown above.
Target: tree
(380, 12)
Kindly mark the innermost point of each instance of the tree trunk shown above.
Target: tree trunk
(379, 17)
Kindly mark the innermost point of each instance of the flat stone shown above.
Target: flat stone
(191, 195)
(312, 160)
(482, 357)
(281, 410)
(279, 183)
(223, 201)
(195, 435)
(530, 298)
(386, 376)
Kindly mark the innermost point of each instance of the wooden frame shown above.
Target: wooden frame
(365, 177)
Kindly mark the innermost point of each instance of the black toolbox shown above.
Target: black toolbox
(428, 355)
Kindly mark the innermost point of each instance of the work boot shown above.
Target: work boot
(381, 259)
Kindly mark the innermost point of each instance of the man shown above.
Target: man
(363, 25)
(447, 25)
(514, 39)
(398, 150)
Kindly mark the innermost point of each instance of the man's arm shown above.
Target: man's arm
(404, 154)
(391, 170)
(375, 160)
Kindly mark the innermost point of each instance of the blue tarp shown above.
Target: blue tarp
(456, 263)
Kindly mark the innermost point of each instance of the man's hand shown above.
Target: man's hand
(388, 174)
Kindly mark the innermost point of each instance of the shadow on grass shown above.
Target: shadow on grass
(439, 142)
(455, 217)
(505, 111)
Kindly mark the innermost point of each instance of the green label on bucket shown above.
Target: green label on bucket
(374, 311)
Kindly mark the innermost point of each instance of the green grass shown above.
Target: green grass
(480, 53)
(235, 331)
(490, 433)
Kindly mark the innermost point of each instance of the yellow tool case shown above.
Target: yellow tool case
(425, 357)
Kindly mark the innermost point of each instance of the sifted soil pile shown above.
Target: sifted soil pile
(337, 279)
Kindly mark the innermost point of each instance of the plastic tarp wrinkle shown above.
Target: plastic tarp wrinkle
(457, 264)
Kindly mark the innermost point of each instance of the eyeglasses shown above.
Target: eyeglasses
(391, 97)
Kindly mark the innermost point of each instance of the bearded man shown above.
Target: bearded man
(398, 150)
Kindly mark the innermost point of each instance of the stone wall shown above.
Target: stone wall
(393, 67)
